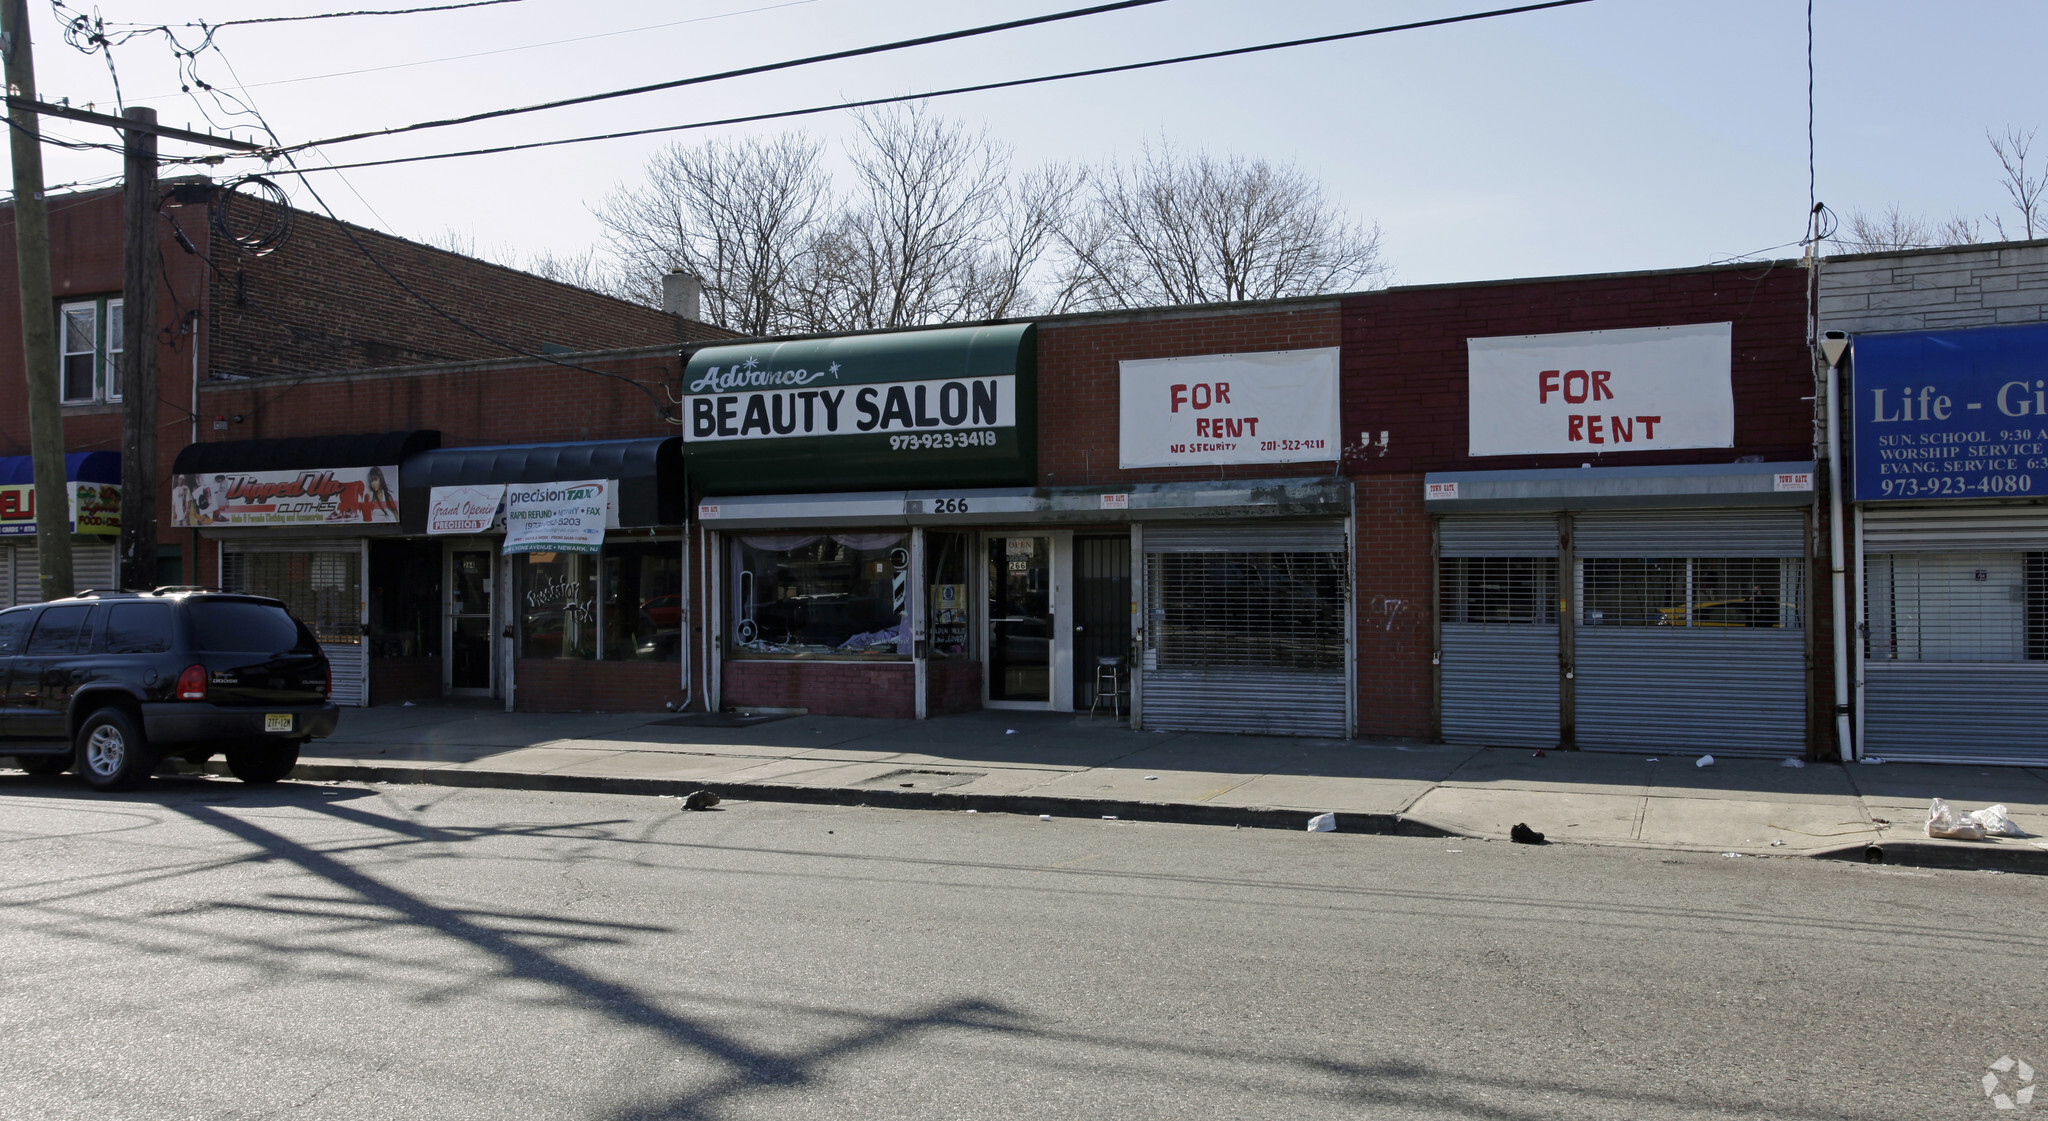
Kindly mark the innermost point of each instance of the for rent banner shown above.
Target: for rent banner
(328, 496)
(1595, 392)
(1275, 407)
(558, 517)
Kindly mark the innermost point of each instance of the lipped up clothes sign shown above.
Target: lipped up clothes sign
(1594, 392)
(1950, 414)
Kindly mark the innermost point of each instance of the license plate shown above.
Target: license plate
(277, 721)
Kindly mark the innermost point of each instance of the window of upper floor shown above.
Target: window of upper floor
(89, 350)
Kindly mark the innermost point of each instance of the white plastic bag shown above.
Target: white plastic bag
(1996, 823)
(1704, 761)
(1944, 822)
(1323, 823)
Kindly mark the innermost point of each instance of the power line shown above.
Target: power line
(508, 50)
(979, 88)
(765, 68)
(344, 15)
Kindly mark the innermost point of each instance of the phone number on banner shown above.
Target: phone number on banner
(984, 438)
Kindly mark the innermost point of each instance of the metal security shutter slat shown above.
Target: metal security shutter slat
(1500, 684)
(326, 597)
(1482, 536)
(92, 566)
(1941, 530)
(1725, 691)
(1690, 533)
(28, 585)
(1245, 628)
(1257, 702)
(7, 598)
(1956, 712)
(1278, 537)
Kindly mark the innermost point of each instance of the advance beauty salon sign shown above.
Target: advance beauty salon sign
(328, 496)
(1277, 407)
(1594, 392)
(951, 407)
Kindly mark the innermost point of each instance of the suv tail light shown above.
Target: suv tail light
(192, 684)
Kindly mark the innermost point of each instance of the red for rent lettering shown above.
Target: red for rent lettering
(1199, 395)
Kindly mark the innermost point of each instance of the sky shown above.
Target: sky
(1610, 136)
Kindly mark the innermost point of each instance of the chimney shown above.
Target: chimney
(680, 292)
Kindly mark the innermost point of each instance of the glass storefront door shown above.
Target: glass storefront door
(1020, 614)
(470, 586)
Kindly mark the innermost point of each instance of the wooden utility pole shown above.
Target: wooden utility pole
(138, 355)
(38, 311)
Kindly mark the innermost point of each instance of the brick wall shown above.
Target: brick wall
(1078, 372)
(1931, 290)
(1405, 360)
(577, 685)
(395, 680)
(884, 689)
(1396, 686)
(952, 686)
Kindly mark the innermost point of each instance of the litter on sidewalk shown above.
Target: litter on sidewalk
(1521, 834)
(1704, 761)
(1795, 764)
(1996, 821)
(1323, 823)
(1944, 822)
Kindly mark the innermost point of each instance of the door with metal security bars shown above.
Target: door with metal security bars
(1690, 631)
(1246, 628)
(324, 588)
(92, 566)
(1497, 598)
(1955, 649)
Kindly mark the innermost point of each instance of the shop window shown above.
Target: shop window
(946, 560)
(1276, 610)
(557, 598)
(1499, 589)
(89, 342)
(405, 599)
(642, 613)
(820, 595)
(324, 589)
(1690, 592)
(1956, 607)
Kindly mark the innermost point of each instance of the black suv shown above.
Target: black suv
(110, 683)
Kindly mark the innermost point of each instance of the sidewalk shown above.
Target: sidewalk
(1069, 765)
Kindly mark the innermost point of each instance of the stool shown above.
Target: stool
(1109, 670)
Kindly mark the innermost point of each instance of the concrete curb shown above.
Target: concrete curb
(1928, 852)
(1177, 813)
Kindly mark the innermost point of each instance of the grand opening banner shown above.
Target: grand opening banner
(326, 496)
(1950, 414)
(1273, 407)
(1594, 392)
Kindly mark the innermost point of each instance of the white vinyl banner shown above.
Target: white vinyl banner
(471, 509)
(558, 517)
(1277, 407)
(1592, 392)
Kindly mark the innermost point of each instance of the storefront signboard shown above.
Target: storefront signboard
(1948, 415)
(465, 509)
(566, 517)
(950, 407)
(1276, 407)
(326, 496)
(95, 508)
(1596, 392)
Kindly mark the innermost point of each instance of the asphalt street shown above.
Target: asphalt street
(201, 949)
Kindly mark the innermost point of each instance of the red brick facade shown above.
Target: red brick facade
(1396, 635)
(884, 689)
(574, 685)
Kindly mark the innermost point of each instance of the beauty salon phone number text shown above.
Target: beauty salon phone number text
(916, 441)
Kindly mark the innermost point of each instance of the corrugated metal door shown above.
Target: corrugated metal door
(1690, 631)
(92, 566)
(7, 593)
(324, 588)
(1497, 598)
(1245, 628)
(1956, 623)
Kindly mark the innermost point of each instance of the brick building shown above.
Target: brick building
(322, 300)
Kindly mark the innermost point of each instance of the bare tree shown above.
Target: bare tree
(1174, 229)
(1892, 229)
(588, 270)
(2022, 190)
(936, 230)
(742, 214)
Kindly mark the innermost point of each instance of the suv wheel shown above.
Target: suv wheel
(263, 763)
(112, 753)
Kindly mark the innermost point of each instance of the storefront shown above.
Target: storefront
(92, 482)
(1652, 608)
(548, 576)
(1950, 438)
(932, 577)
(294, 519)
